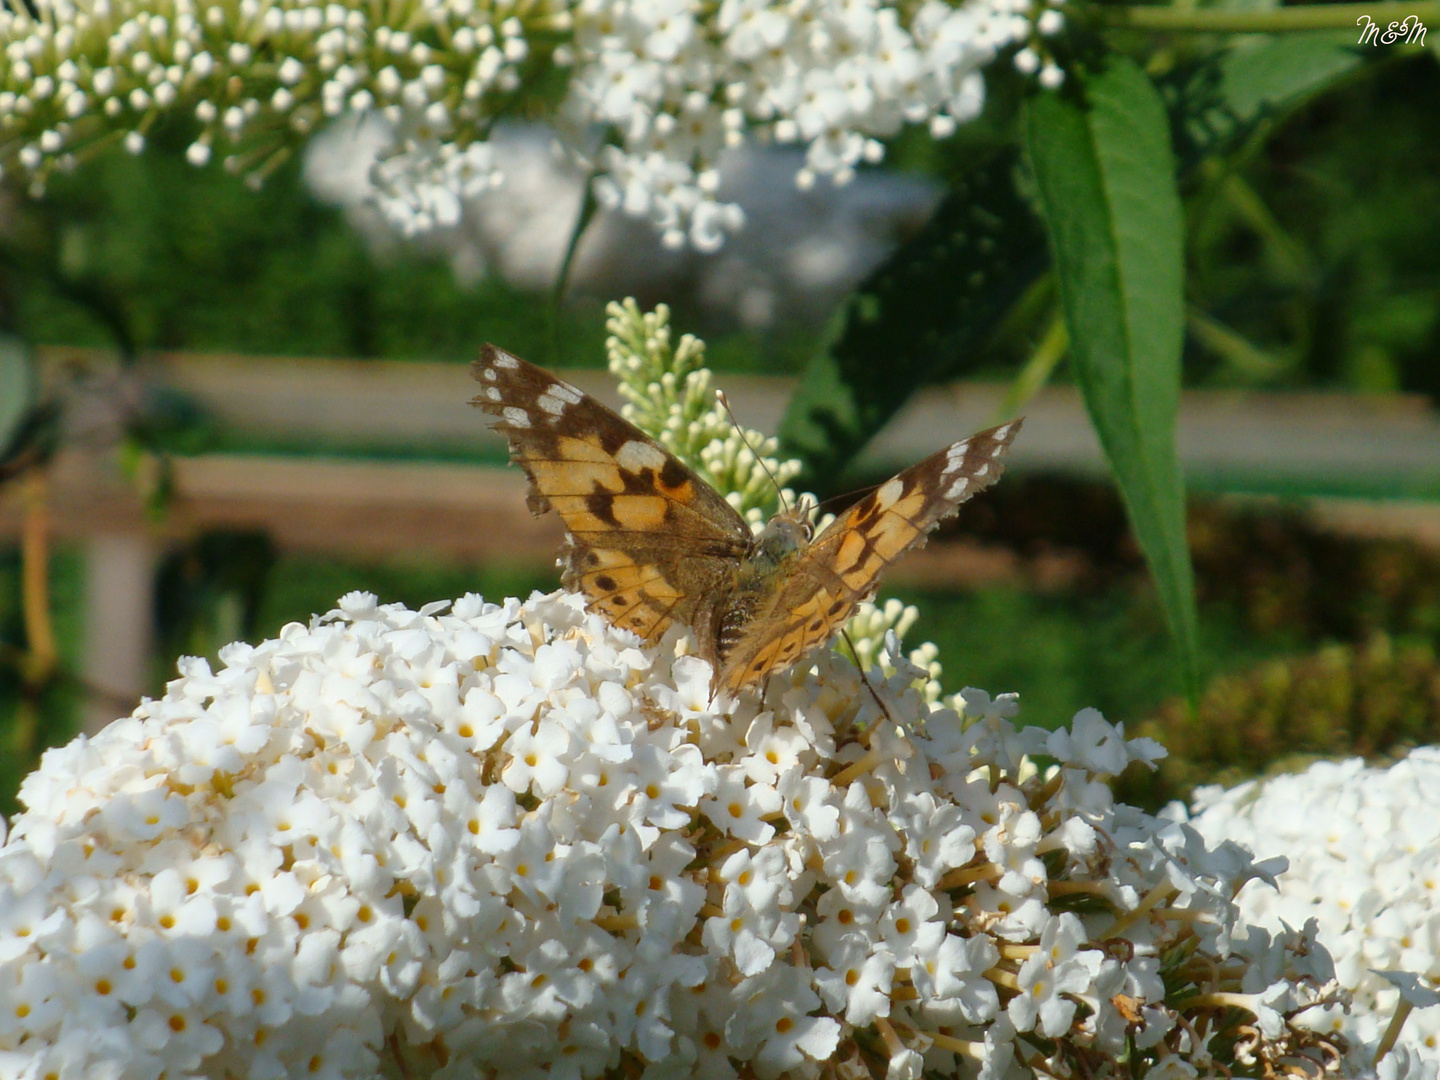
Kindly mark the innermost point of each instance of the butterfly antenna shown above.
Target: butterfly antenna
(856, 495)
(725, 404)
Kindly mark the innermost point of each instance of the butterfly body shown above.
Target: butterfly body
(773, 557)
(649, 543)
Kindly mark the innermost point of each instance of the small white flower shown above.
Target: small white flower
(538, 758)
(910, 928)
(857, 981)
(739, 808)
(771, 1025)
(1059, 967)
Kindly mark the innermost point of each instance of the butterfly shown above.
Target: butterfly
(649, 543)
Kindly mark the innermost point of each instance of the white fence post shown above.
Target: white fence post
(119, 623)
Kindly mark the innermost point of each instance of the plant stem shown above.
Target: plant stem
(1157, 895)
(35, 580)
(1392, 1031)
(586, 214)
(1037, 370)
(39, 663)
(1278, 20)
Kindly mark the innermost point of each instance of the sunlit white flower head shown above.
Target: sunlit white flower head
(1363, 847)
(499, 837)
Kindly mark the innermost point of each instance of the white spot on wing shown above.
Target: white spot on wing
(956, 453)
(505, 360)
(636, 455)
(490, 375)
(957, 488)
(982, 470)
(565, 392)
(517, 417)
(493, 393)
(553, 405)
(889, 493)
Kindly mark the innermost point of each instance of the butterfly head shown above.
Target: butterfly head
(783, 536)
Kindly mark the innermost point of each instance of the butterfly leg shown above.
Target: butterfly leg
(865, 677)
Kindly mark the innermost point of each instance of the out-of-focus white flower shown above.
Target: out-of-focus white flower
(1363, 847)
(673, 82)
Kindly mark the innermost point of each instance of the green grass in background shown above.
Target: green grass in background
(1064, 651)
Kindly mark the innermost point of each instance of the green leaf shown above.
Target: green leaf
(931, 305)
(1230, 97)
(1106, 179)
(916, 319)
(17, 391)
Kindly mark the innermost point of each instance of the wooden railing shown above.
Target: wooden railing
(374, 493)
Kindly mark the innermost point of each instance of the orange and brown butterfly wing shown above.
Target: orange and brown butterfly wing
(649, 541)
(843, 566)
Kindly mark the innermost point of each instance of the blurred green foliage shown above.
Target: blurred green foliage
(1314, 248)
(1319, 251)
(1375, 699)
(186, 258)
(1075, 626)
(152, 253)
(58, 708)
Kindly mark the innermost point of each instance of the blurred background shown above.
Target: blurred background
(258, 403)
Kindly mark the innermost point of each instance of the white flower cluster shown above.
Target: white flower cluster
(674, 81)
(260, 75)
(505, 838)
(1364, 852)
(679, 85)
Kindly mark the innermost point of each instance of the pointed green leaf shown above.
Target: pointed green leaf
(924, 312)
(1106, 178)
